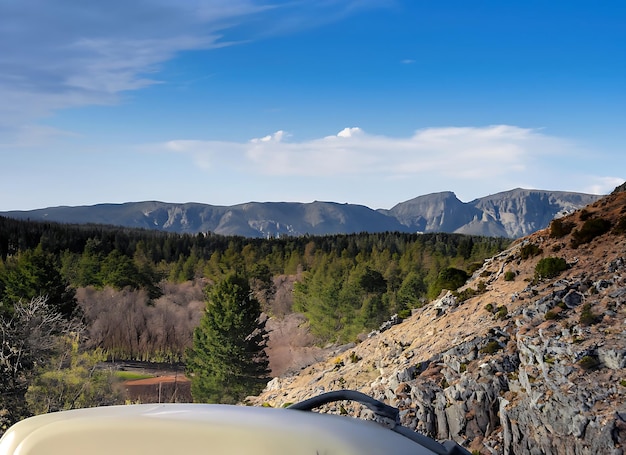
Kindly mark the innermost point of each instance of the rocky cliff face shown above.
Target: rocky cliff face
(510, 364)
(511, 214)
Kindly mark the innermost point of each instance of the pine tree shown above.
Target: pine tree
(228, 361)
(35, 273)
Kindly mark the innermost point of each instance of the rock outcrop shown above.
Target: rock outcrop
(510, 363)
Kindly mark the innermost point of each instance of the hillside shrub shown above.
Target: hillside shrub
(620, 227)
(491, 347)
(585, 215)
(451, 278)
(354, 357)
(549, 267)
(591, 229)
(530, 250)
(509, 275)
(468, 293)
(551, 315)
(589, 362)
(465, 294)
(501, 312)
(560, 228)
(587, 317)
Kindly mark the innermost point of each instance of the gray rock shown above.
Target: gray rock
(572, 299)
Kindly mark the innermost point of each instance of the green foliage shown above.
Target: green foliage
(465, 294)
(551, 315)
(589, 362)
(591, 228)
(227, 361)
(509, 275)
(550, 267)
(412, 291)
(501, 312)
(560, 228)
(491, 347)
(71, 379)
(35, 273)
(530, 250)
(131, 375)
(451, 279)
(354, 357)
(587, 317)
(372, 281)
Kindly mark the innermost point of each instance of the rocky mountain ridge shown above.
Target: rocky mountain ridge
(517, 361)
(511, 214)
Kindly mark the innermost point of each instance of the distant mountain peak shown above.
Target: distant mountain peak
(513, 213)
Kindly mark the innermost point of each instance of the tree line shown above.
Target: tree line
(348, 284)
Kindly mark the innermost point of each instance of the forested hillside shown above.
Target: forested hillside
(356, 280)
(119, 293)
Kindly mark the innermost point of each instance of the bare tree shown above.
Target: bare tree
(28, 340)
(130, 326)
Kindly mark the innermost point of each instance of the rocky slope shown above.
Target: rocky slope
(515, 213)
(511, 214)
(526, 365)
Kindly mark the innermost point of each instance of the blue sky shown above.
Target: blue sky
(369, 102)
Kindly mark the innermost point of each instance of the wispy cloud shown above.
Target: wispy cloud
(480, 158)
(602, 185)
(60, 54)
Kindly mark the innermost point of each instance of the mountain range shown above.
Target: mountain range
(512, 214)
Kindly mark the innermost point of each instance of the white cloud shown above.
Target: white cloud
(476, 158)
(602, 185)
(349, 132)
(462, 152)
(276, 137)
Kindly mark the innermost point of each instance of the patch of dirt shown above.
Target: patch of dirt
(157, 380)
(291, 346)
(173, 388)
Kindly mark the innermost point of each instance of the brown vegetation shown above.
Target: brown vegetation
(126, 325)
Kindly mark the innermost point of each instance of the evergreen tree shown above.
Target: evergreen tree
(228, 361)
(35, 273)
